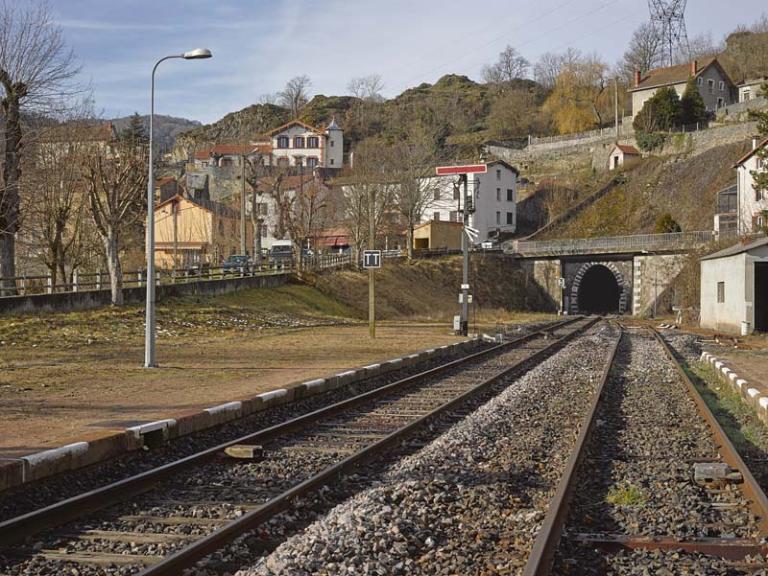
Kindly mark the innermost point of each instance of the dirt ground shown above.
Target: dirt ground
(51, 397)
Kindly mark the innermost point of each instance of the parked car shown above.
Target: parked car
(235, 263)
(281, 253)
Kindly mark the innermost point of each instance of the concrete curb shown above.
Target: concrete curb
(750, 394)
(16, 471)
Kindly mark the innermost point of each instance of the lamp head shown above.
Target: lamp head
(197, 54)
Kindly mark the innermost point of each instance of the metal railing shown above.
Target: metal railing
(81, 281)
(615, 244)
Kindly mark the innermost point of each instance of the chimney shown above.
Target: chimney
(637, 78)
(694, 67)
(754, 142)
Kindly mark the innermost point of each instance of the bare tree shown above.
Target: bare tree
(367, 88)
(295, 95)
(510, 66)
(411, 162)
(115, 181)
(550, 65)
(35, 69)
(645, 52)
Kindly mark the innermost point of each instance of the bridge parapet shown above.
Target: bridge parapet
(672, 242)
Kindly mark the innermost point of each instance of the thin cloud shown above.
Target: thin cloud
(100, 25)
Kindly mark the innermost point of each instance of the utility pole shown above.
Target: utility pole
(616, 105)
(464, 326)
(175, 208)
(243, 238)
(371, 271)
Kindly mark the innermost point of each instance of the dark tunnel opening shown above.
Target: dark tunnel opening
(599, 292)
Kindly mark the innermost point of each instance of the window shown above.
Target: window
(264, 231)
(720, 292)
(711, 86)
(498, 174)
(759, 163)
(510, 195)
(332, 162)
(311, 161)
(456, 193)
(498, 194)
(498, 217)
(436, 194)
(262, 209)
(699, 80)
(721, 85)
(313, 142)
(436, 216)
(720, 102)
(453, 216)
(331, 142)
(282, 141)
(298, 142)
(758, 195)
(510, 218)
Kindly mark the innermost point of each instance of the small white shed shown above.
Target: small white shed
(734, 288)
(621, 154)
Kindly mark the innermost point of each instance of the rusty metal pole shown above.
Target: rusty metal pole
(464, 326)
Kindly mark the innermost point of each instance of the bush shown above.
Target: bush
(648, 141)
(665, 224)
(661, 111)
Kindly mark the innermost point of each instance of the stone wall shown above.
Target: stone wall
(67, 301)
(653, 275)
(545, 274)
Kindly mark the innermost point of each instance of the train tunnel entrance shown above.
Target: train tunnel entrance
(599, 292)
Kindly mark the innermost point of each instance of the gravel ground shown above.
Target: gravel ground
(471, 501)
(638, 476)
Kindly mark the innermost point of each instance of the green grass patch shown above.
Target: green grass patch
(625, 495)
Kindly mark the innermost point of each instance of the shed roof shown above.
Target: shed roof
(627, 149)
(737, 249)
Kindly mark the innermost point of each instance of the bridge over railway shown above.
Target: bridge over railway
(613, 274)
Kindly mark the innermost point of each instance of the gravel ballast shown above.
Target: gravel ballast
(472, 500)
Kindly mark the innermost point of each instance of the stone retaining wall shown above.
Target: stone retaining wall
(67, 301)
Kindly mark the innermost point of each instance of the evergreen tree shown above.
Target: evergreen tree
(135, 135)
(692, 107)
(662, 111)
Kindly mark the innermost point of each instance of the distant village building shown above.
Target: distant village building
(622, 154)
(752, 204)
(751, 89)
(494, 195)
(195, 232)
(734, 289)
(300, 144)
(726, 210)
(715, 86)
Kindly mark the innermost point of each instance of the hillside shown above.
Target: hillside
(455, 111)
(166, 128)
(427, 289)
(684, 187)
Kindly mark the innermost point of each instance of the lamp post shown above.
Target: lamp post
(149, 331)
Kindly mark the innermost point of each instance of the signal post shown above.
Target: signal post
(469, 234)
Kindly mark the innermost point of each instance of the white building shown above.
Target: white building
(622, 154)
(299, 144)
(752, 204)
(494, 196)
(751, 89)
(734, 288)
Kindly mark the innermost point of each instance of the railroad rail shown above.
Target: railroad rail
(582, 466)
(311, 451)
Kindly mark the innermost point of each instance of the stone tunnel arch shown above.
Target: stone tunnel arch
(599, 287)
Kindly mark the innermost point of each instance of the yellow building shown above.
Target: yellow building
(192, 232)
(438, 234)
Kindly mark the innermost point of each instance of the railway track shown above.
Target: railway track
(654, 485)
(166, 519)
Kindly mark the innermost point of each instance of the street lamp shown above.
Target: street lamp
(149, 331)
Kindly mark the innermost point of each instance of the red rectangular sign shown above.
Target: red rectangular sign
(467, 169)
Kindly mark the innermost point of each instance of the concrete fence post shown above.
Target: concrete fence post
(139, 278)
(75, 281)
(98, 279)
(49, 282)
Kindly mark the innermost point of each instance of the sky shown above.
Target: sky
(258, 45)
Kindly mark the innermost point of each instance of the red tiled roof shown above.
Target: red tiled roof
(673, 74)
(233, 150)
(751, 153)
(292, 123)
(628, 149)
